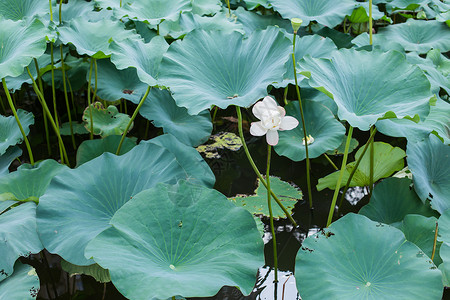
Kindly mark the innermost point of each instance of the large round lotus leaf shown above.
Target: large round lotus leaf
(76, 128)
(419, 35)
(206, 7)
(406, 4)
(145, 57)
(79, 203)
(387, 160)
(379, 42)
(29, 183)
(107, 121)
(90, 149)
(153, 12)
(257, 203)
(252, 21)
(252, 4)
(18, 10)
(367, 85)
(15, 83)
(214, 68)
(428, 161)
(356, 258)
(93, 38)
(392, 200)
(162, 109)
(18, 236)
(76, 74)
(361, 14)
(315, 46)
(325, 12)
(116, 84)
(438, 121)
(189, 22)
(325, 130)
(100, 274)
(73, 9)
(444, 227)
(191, 256)
(7, 158)
(22, 284)
(444, 253)
(441, 62)
(20, 43)
(421, 230)
(10, 134)
(341, 149)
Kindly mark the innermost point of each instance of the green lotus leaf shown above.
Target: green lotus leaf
(90, 149)
(162, 109)
(145, 57)
(438, 121)
(76, 127)
(21, 42)
(361, 14)
(367, 85)
(387, 160)
(10, 134)
(325, 12)
(15, 83)
(315, 46)
(18, 10)
(206, 7)
(253, 22)
(107, 4)
(30, 183)
(153, 12)
(356, 258)
(79, 203)
(73, 9)
(5, 204)
(326, 132)
(75, 74)
(392, 200)
(145, 31)
(341, 149)
(441, 62)
(406, 4)
(18, 236)
(257, 203)
(252, 4)
(444, 253)
(22, 284)
(421, 230)
(419, 35)
(309, 93)
(7, 158)
(113, 84)
(428, 161)
(93, 38)
(192, 256)
(214, 68)
(188, 22)
(444, 227)
(100, 274)
(379, 42)
(107, 121)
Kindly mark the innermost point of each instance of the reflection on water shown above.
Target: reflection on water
(355, 194)
(284, 290)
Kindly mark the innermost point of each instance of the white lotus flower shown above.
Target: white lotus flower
(273, 118)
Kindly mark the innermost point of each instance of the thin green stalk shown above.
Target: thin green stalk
(72, 98)
(255, 168)
(286, 89)
(11, 104)
(54, 94)
(366, 146)
(371, 165)
(370, 23)
(308, 166)
(229, 8)
(132, 119)
(49, 115)
(65, 94)
(91, 136)
(341, 175)
(96, 80)
(331, 162)
(435, 241)
(60, 10)
(2, 105)
(269, 203)
(41, 88)
(120, 3)
(51, 11)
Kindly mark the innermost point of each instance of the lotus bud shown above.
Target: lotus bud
(296, 23)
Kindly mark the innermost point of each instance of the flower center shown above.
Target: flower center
(309, 140)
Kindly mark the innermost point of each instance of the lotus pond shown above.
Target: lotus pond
(207, 149)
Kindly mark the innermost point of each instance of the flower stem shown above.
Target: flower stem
(91, 131)
(269, 203)
(55, 110)
(331, 162)
(41, 88)
(366, 146)
(435, 241)
(255, 168)
(341, 175)
(95, 82)
(371, 164)
(11, 104)
(51, 10)
(308, 166)
(370, 23)
(67, 97)
(132, 119)
(229, 8)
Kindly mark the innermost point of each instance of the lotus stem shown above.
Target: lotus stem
(65, 95)
(435, 241)
(229, 8)
(2, 105)
(11, 104)
(370, 23)
(41, 88)
(269, 203)
(51, 10)
(308, 166)
(330, 161)
(96, 80)
(49, 115)
(54, 94)
(255, 168)
(341, 175)
(91, 135)
(60, 11)
(366, 146)
(371, 165)
(132, 119)
(286, 89)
